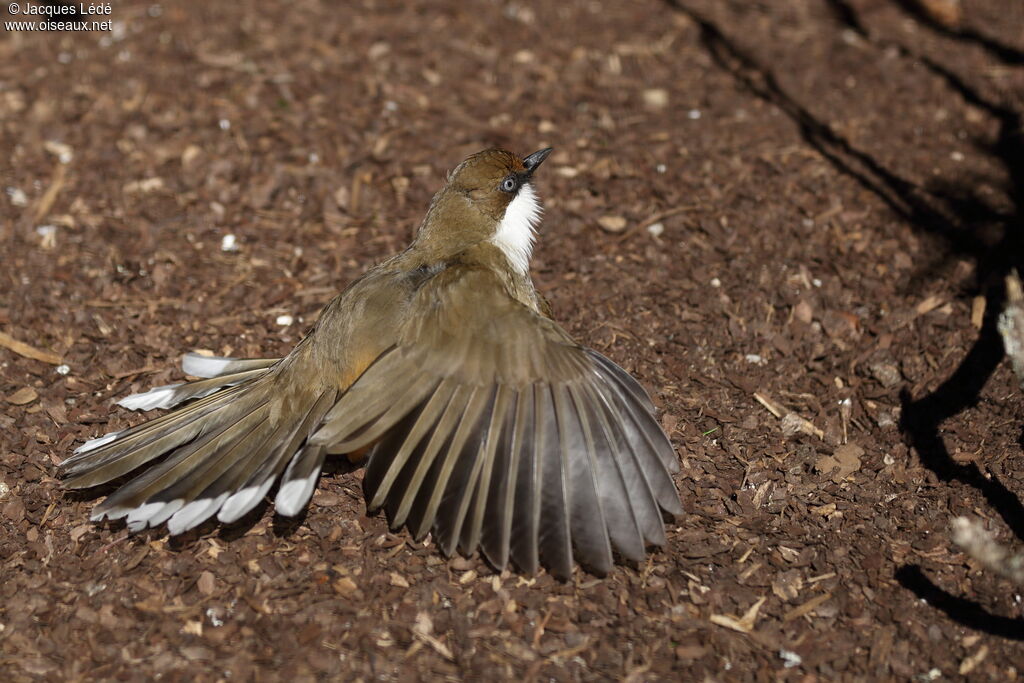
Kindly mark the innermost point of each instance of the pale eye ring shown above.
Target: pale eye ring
(509, 184)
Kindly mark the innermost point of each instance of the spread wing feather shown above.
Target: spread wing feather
(493, 490)
(475, 452)
(489, 427)
(624, 531)
(496, 432)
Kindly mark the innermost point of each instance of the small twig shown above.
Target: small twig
(656, 218)
(791, 422)
(45, 202)
(774, 408)
(662, 215)
(137, 371)
(23, 349)
(118, 539)
(744, 624)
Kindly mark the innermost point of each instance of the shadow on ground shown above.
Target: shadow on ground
(960, 222)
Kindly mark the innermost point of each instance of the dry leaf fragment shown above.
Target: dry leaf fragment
(787, 584)
(744, 624)
(803, 312)
(23, 396)
(191, 153)
(949, 13)
(193, 627)
(144, 186)
(612, 223)
(423, 629)
(763, 494)
(978, 312)
(47, 237)
(842, 463)
(794, 424)
(886, 373)
(928, 305)
(345, 586)
(656, 98)
(206, 583)
(136, 558)
(396, 579)
(691, 651)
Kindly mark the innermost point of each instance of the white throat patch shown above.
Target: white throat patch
(516, 233)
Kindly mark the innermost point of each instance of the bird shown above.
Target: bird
(483, 422)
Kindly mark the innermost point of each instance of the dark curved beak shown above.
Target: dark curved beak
(533, 161)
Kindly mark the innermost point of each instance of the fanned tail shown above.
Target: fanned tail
(198, 365)
(218, 372)
(222, 451)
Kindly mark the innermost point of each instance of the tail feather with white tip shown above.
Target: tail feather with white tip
(239, 431)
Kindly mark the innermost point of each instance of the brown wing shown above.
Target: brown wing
(493, 429)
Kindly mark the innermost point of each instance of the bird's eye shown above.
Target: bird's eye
(509, 184)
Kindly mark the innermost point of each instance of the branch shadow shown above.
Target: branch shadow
(1005, 53)
(960, 221)
(960, 610)
(922, 417)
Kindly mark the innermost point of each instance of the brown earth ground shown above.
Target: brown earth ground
(819, 198)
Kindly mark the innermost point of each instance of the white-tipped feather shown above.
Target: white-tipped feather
(115, 513)
(93, 444)
(164, 513)
(169, 395)
(239, 504)
(158, 397)
(516, 233)
(195, 513)
(207, 366)
(138, 518)
(294, 494)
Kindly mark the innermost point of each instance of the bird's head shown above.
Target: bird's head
(488, 197)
